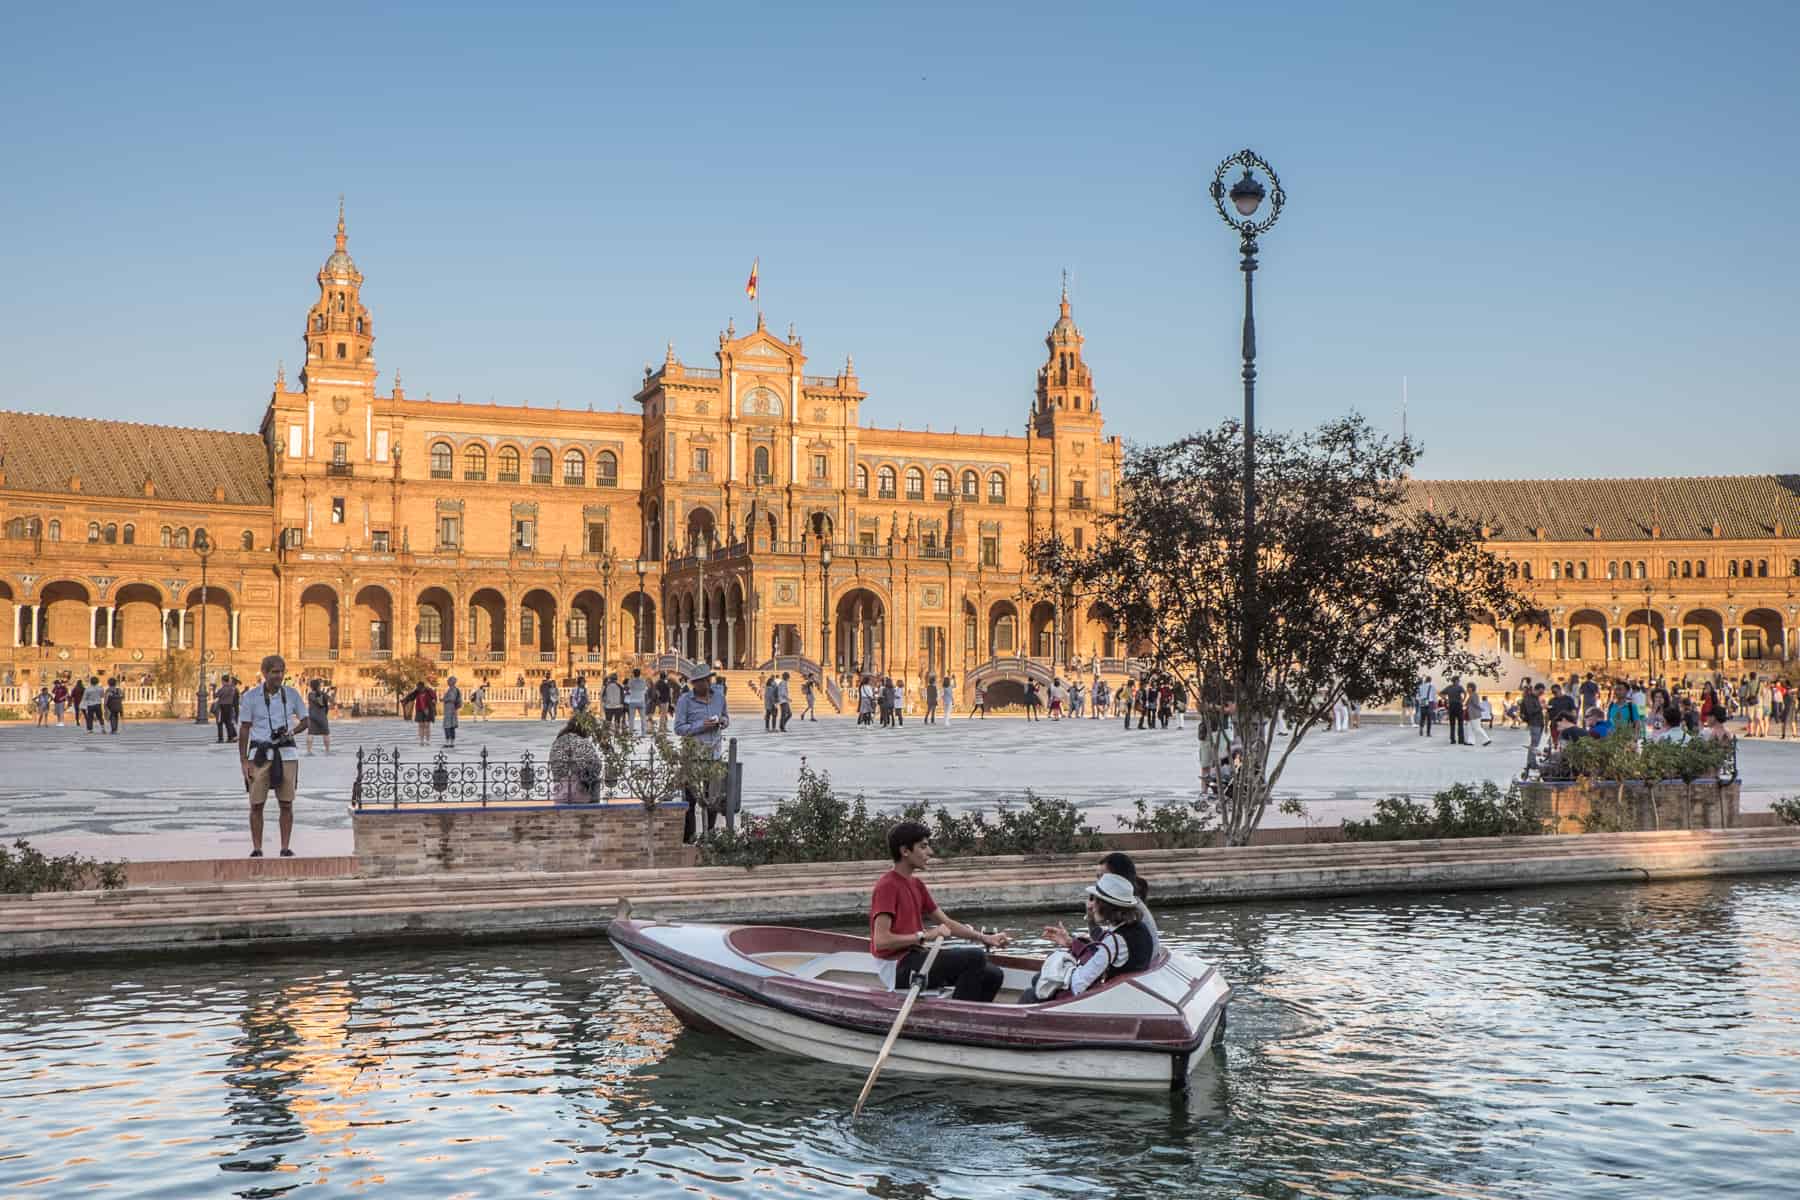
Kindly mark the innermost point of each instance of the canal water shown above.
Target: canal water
(1592, 1042)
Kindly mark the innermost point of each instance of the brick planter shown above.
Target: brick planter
(1665, 805)
(508, 838)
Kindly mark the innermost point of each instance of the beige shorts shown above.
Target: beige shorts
(259, 784)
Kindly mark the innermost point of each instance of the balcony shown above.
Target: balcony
(442, 473)
(606, 481)
(547, 656)
(887, 494)
(915, 495)
(378, 655)
(993, 499)
(763, 479)
(938, 552)
(1079, 503)
(338, 470)
(488, 656)
(540, 479)
(475, 476)
(507, 477)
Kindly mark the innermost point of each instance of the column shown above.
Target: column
(18, 629)
(37, 624)
(712, 645)
(181, 627)
(234, 629)
(112, 626)
(731, 642)
(162, 615)
(93, 622)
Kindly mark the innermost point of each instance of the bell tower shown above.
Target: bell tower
(1065, 388)
(340, 337)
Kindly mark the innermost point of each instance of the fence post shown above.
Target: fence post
(356, 789)
(484, 777)
(396, 759)
(734, 774)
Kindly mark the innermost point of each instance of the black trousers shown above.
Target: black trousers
(787, 714)
(966, 968)
(227, 722)
(112, 720)
(696, 806)
(1459, 730)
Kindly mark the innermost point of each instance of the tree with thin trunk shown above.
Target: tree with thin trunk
(653, 768)
(1357, 589)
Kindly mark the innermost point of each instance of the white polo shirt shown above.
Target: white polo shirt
(265, 714)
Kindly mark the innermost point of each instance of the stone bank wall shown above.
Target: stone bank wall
(501, 839)
(1671, 804)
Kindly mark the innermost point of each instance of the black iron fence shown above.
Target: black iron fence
(383, 777)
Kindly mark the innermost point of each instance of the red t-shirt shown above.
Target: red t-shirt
(907, 900)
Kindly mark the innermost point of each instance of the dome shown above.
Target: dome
(339, 263)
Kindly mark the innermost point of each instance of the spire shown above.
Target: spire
(1065, 295)
(341, 239)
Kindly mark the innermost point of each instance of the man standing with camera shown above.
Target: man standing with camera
(266, 751)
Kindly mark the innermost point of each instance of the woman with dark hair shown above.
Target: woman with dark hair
(1120, 863)
(1118, 942)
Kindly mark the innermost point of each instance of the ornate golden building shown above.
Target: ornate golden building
(746, 513)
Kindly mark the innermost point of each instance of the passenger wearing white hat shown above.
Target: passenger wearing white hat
(700, 714)
(1123, 943)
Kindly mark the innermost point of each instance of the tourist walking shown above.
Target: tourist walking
(900, 700)
(1472, 706)
(59, 699)
(701, 716)
(1100, 698)
(806, 693)
(41, 705)
(1533, 712)
(784, 702)
(1032, 700)
(1128, 699)
(1454, 696)
(92, 701)
(424, 709)
(1425, 702)
(865, 701)
(769, 704)
(884, 698)
(546, 699)
(318, 715)
(949, 697)
(980, 705)
(524, 697)
(578, 696)
(225, 708)
(272, 714)
(453, 702)
(637, 691)
(1340, 715)
(612, 700)
(478, 701)
(931, 699)
(114, 699)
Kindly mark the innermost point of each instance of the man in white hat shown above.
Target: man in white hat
(700, 715)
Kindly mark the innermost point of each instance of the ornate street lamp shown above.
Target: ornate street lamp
(824, 606)
(1246, 197)
(607, 562)
(203, 547)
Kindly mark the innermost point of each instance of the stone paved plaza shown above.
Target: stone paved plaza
(162, 790)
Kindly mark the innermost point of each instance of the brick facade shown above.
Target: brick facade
(508, 838)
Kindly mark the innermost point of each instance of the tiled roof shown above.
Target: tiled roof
(1744, 506)
(114, 458)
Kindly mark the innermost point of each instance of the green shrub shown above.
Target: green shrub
(1787, 810)
(1462, 811)
(1185, 824)
(10, 714)
(24, 870)
(817, 825)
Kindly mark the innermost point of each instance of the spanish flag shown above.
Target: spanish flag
(750, 287)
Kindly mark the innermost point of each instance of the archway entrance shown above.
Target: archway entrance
(318, 621)
(859, 635)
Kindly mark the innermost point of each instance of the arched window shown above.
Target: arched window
(1525, 570)
(606, 469)
(1568, 570)
(130, 537)
(509, 464)
(1762, 568)
(168, 536)
(181, 539)
(574, 467)
(759, 462)
(971, 486)
(202, 541)
(359, 324)
(527, 627)
(940, 484)
(1512, 570)
(442, 460)
(915, 484)
(996, 488)
(1687, 569)
(55, 532)
(15, 528)
(1674, 569)
(1642, 571)
(1612, 569)
(1700, 569)
(1555, 570)
(94, 536)
(247, 540)
(862, 479)
(884, 483)
(1794, 567)
(110, 535)
(431, 624)
(475, 462)
(1581, 570)
(540, 465)
(1731, 569)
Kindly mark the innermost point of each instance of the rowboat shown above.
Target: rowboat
(819, 995)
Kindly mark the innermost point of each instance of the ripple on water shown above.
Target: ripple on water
(1606, 1042)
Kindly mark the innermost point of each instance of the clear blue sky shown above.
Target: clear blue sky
(1571, 226)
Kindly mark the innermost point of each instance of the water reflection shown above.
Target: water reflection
(1591, 1042)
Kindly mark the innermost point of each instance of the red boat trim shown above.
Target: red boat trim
(699, 972)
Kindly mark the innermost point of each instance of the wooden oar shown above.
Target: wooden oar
(887, 1047)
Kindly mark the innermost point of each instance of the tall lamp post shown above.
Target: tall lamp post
(1246, 197)
(643, 569)
(569, 645)
(607, 562)
(824, 607)
(203, 547)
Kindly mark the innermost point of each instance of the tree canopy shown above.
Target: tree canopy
(1357, 591)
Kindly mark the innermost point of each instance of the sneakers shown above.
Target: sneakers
(256, 854)
(287, 854)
